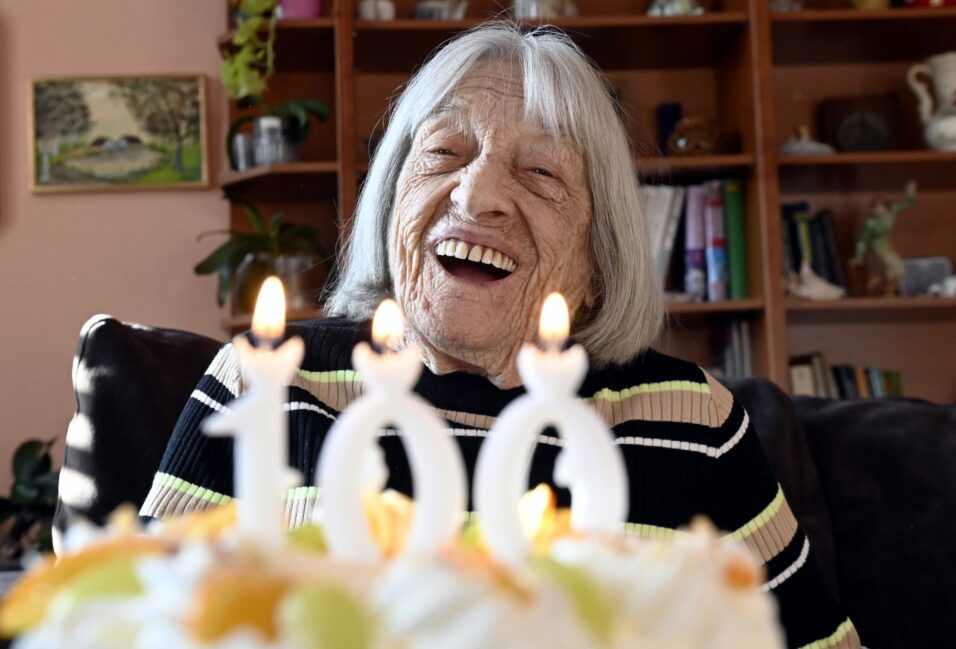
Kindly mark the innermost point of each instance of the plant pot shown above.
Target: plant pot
(301, 8)
(252, 271)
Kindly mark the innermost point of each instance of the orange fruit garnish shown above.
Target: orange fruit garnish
(232, 599)
(25, 605)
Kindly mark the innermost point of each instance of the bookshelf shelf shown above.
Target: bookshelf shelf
(868, 158)
(856, 15)
(662, 166)
(723, 307)
(884, 309)
(290, 181)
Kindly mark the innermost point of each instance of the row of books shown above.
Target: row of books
(701, 227)
(733, 351)
(811, 237)
(812, 376)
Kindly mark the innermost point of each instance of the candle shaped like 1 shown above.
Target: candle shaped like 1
(258, 421)
(350, 460)
(590, 464)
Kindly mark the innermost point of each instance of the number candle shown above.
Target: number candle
(350, 461)
(258, 422)
(590, 463)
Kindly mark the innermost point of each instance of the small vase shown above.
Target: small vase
(301, 9)
(250, 274)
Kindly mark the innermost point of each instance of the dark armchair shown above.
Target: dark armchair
(873, 483)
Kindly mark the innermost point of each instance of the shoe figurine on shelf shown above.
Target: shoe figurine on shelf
(801, 143)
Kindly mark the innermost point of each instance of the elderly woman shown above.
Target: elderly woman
(505, 174)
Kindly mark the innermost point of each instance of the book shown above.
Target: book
(894, 381)
(747, 345)
(695, 269)
(670, 231)
(736, 239)
(801, 380)
(845, 381)
(656, 205)
(796, 246)
(874, 377)
(715, 250)
(835, 273)
(862, 383)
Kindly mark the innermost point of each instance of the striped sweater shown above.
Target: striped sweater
(687, 445)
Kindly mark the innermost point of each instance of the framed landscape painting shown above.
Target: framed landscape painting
(118, 133)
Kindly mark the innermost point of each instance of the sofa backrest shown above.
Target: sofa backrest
(130, 382)
(888, 472)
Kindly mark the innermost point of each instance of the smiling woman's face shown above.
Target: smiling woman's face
(491, 214)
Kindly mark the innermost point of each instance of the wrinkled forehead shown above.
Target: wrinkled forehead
(497, 87)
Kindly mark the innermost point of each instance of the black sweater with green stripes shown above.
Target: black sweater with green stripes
(687, 444)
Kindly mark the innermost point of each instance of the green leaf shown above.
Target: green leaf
(24, 494)
(274, 224)
(252, 212)
(218, 258)
(318, 109)
(27, 458)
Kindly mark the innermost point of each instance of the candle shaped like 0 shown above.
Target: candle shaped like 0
(350, 461)
(590, 464)
(259, 423)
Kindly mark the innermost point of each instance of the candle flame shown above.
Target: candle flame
(554, 321)
(268, 320)
(388, 325)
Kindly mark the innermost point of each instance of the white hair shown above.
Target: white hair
(566, 93)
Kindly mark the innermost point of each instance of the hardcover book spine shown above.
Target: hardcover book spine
(736, 239)
(716, 251)
(695, 269)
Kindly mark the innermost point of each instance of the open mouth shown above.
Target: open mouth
(470, 261)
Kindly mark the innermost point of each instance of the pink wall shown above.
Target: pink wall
(65, 258)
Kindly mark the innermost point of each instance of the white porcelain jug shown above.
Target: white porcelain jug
(939, 127)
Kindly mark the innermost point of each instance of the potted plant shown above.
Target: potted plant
(247, 258)
(294, 113)
(26, 516)
(248, 64)
(246, 69)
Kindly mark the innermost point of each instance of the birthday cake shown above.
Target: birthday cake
(195, 584)
(374, 570)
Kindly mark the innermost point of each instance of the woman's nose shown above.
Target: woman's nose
(483, 189)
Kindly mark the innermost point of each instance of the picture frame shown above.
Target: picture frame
(118, 133)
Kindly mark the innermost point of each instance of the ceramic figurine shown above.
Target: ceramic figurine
(800, 143)
(675, 8)
(874, 252)
(810, 286)
(939, 127)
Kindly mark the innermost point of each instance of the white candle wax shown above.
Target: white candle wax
(259, 424)
(350, 447)
(590, 464)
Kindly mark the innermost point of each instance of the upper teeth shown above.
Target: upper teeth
(473, 252)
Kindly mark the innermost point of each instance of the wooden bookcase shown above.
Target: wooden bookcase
(759, 74)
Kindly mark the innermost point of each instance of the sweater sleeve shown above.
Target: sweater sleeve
(746, 500)
(196, 470)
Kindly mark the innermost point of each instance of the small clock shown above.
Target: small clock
(866, 123)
